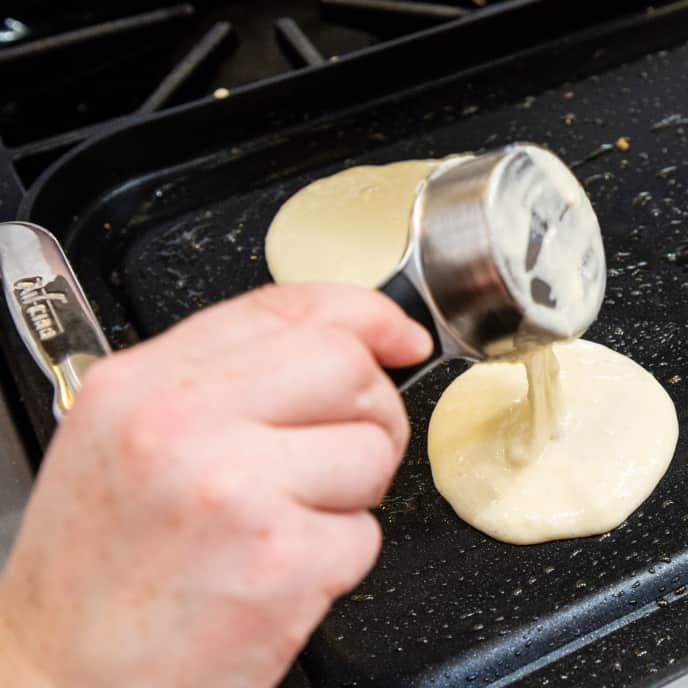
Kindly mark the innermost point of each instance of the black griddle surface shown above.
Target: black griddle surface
(447, 606)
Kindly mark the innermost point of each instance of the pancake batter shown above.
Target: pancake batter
(351, 227)
(572, 455)
(556, 442)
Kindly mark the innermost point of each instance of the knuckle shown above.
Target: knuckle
(147, 437)
(404, 426)
(300, 625)
(383, 328)
(228, 503)
(281, 561)
(370, 541)
(385, 456)
(397, 415)
(350, 356)
(210, 499)
(359, 558)
(281, 553)
(287, 303)
(102, 378)
(380, 402)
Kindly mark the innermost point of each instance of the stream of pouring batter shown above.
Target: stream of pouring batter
(544, 405)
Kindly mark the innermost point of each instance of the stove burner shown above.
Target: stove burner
(169, 55)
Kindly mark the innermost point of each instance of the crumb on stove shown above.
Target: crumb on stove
(568, 95)
(569, 118)
(107, 226)
(622, 143)
(221, 93)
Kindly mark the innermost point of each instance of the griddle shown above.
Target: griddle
(166, 215)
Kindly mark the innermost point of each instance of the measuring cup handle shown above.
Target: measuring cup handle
(402, 291)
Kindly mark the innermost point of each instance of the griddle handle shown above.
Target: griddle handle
(402, 291)
(49, 309)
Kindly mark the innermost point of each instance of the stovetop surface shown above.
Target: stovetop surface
(87, 84)
(639, 198)
(447, 606)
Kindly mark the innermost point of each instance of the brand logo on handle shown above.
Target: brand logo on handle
(38, 306)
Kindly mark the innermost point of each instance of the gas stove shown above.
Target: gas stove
(128, 128)
(66, 74)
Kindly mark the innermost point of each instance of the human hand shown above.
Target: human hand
(206, 499)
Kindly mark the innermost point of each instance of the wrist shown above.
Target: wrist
(16, 668)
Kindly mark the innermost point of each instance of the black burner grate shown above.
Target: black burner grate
(68, 74)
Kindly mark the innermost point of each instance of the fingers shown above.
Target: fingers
(394, 338)
(215, 341)
(344, 467)
(315, 377)
(335, 456)
(286, 395)
(298, 380)
(345, 548)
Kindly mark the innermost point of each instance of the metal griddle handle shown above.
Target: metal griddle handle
(49, 309)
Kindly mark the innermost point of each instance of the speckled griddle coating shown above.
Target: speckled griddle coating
(447, 606)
